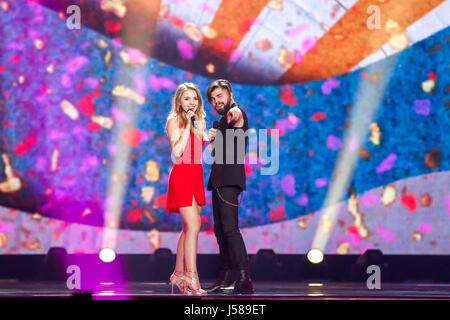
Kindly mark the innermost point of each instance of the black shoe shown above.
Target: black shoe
(243, 284)
(225, 283)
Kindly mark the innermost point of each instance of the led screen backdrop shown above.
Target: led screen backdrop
(70, 99)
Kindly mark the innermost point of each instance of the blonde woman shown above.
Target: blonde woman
(186, 192)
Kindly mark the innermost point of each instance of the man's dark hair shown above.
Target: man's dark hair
(220, 83)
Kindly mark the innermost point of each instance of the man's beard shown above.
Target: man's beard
(225, 109)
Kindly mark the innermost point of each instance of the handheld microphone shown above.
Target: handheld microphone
(194, 123)
(216, 124)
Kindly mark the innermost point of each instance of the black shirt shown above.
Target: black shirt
(231, 171)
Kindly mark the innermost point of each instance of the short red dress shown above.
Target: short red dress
(186, 178)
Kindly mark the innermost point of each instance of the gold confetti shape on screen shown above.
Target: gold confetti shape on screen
(302, 223)
(12, 182)
(86, 212)
(192, 31)
(375, 134)
(107, 58)
(132, 57)
(3, 240)
(124, 92)
(147, 194)
(38, 44)
(285, 58)
(389, 195)
(55, 157)
(398, 40)
(416, 236)
(428, 85)
(264, 45)
(115, 6)
(353, 208)
(69, 110)
(208, 32)
(4, 5)
(326, 224)
(36, 216)
(433, 158)
(365, 154)
(275, 5)
(325, 27)
(34, 244)
(154, 238)
(343, 248)
(426, 200)
(151, 171)
(210, 68)
(50, 68)
(103, 121)
(163, 12)
(102, 43)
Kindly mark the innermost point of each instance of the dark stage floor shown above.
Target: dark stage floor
(14, 289)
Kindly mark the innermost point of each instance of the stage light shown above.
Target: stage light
(315, 284)
(315, 256)
(368, 99)
(123, 132)
(107, 255)
(315, 294)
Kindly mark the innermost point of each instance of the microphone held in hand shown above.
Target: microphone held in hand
(216, 124)
(194, 123)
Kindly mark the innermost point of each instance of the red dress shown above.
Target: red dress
(186, 178)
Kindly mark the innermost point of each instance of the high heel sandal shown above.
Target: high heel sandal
(178, 280)
(193, 284)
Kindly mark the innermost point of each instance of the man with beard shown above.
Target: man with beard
(227, 181)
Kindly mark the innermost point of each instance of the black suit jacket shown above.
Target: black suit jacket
(229, 174)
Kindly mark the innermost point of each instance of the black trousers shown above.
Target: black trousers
(233, 254)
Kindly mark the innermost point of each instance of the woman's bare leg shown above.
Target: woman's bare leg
(191, 222)
(179, 265)
(177, 276)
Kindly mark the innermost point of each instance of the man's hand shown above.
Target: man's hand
(212, 134)
(234, 117)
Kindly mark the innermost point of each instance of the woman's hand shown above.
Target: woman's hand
(189, 115)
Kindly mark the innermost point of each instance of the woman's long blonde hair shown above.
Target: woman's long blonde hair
(177, 112)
